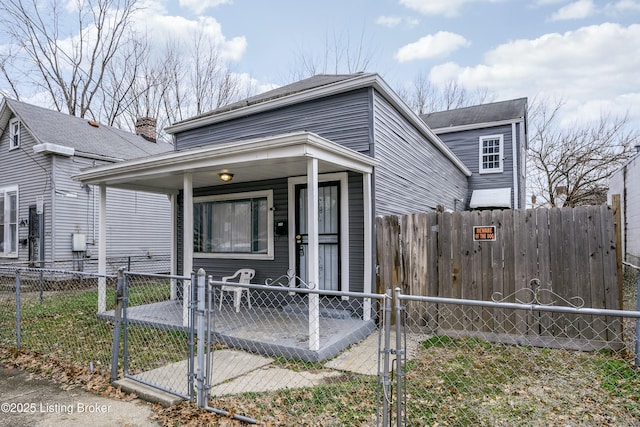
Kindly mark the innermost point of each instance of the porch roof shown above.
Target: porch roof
(249, 160)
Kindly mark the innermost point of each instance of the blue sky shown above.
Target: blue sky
(586, 52)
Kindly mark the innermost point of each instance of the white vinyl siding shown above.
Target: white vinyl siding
(14, 134)
(491, 149)
(9, 222)
(234, 225)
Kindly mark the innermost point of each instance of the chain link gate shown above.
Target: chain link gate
(153, 331)
(285, 343)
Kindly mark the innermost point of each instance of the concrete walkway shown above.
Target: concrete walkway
(28, 401)
(236, 371)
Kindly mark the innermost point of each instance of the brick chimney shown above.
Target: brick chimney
(146, 128)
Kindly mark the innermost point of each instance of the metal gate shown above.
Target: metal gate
(187, 336)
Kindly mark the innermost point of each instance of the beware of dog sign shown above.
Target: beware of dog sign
(484, 233)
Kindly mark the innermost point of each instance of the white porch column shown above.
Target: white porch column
(368, 248)
(187, 242)
(102, 248)
(174, 256)
(313, 262)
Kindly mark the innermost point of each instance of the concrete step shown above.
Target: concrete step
(147, 393)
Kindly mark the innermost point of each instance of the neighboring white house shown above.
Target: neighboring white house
(49, 220)
(626, 183)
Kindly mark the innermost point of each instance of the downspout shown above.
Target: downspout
(515, 155)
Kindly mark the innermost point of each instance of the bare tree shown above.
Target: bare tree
(571, 165)
(65, 53)
(425, 97)
(339, 55)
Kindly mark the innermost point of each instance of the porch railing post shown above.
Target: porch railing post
(115, 346)
(18, 314)
(201, 395)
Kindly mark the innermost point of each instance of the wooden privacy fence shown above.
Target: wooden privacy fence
(495, 256)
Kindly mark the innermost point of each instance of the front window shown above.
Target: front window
(9, 221)
(14, 134)
(234, 226)
(491, 153)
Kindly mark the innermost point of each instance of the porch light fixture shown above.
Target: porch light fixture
(225, 176)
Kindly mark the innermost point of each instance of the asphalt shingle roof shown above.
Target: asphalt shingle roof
(484, 113)
(49, 126)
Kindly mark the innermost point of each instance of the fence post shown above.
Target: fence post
(18, 315)
(386, 394)
(125, 323)
(638, 323)
(190, 326)
(115, 347)
(399, 352)
(201, 396)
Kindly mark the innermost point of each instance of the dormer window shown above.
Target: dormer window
(14, 134)
(491, 153)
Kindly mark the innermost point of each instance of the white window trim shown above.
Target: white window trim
(3, 193)
(237, 196)
(13, 122)
(500, 137)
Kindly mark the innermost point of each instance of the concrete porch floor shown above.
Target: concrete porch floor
(268, 331)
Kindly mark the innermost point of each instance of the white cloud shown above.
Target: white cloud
(591, 63)
(577, 10)
(435, 7)
(625, 6)
(389, 21)
(395, 21)
(439, 44)
(199, 6)
(165, 29)
(447, 8)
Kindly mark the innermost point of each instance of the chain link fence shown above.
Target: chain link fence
(150, 263)
(470, 363)
(297, 356)
(53, 312)
(294, 353)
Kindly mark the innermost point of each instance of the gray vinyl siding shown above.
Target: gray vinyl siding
(343, 119)
(139, 224)
(522, 164)
(626, 183)
(465, 145)
(30, 172)
(413, 175)
(271, 269)
(356, 233)
(264, 268)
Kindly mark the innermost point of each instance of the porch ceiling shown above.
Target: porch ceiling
(251, 160)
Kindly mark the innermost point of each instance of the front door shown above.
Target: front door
(34, 236)
(328, 234)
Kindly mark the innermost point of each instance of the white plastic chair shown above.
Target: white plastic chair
(244, 275)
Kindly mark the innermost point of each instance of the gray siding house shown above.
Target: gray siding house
(291, 180)
(491, 139)
(626, 182)
(49, 220)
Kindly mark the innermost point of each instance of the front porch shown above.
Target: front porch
(269, 330)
